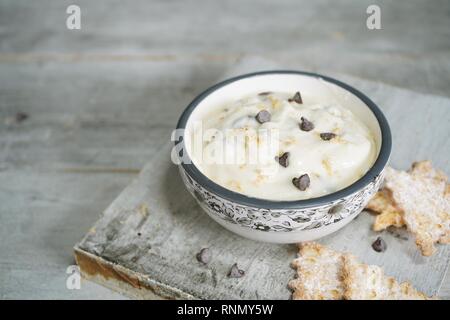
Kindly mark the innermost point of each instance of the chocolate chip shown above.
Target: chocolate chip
(263, 116)
(302, 183)
(265, 93)
(327, 136)
(235, 272)
(139, 234)
(297, 98)
(204, 256)
(306, 125)
(379, 245)
(20, 117)
(283, 160)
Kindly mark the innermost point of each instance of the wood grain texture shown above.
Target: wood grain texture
(104, 99)
(414, 40)
(162, 244)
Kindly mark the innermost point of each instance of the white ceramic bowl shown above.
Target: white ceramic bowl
(283, 221)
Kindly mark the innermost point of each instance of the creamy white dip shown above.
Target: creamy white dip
(307, 149)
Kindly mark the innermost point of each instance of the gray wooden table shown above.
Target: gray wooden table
(102, 100)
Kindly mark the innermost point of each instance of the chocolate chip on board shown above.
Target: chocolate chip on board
(263, 116)
(302, 183)
(265, 93)
(20, 117)
(297, 98)
(283, 160)
(327, 136)
(235, 272)
(306, 125)
(204, 256)
(379, 245)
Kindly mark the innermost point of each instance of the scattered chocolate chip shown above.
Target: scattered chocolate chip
(283, 160)
(235, 272)
(263, 116)
(327, 136)
(379, 245)
(20, 117)
(204, 256)
(297, 98)
(139, 234)
(265, 93)
(302, 182)
(306, 125)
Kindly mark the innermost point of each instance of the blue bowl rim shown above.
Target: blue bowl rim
(238, 198)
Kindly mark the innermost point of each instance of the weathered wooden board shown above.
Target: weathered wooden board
(103, 98)
(142, 252)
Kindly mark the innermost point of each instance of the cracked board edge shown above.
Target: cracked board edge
(120, 279)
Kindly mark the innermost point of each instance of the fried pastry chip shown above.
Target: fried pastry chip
(419, 199)
(424, 198)
(325, 274)
(318, 273)
(388, 213)
(368, 282)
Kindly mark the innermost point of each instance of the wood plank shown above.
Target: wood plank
(175, 228)
(86, 137)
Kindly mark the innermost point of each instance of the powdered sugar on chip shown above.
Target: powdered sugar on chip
(318, 274)
(368, 282)
(422, 194)
(425, 169)
(325, 274)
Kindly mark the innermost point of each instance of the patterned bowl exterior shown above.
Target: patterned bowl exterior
(281, 220)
